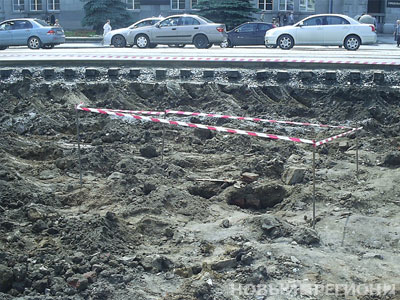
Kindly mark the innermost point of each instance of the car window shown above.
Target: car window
(170, 22)
(317, 21)
(142, 24)
(5, 26)
(205, 19)
(264, 27)
(334, 20)
(41, 22)
(188, 21)
(21, 24)
(247, 28)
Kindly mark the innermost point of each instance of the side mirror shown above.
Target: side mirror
(236, 30)
(157, 25)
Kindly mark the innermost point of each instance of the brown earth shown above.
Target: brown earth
(191, 224)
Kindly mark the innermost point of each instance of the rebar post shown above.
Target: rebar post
(79, 145)
(313, 170)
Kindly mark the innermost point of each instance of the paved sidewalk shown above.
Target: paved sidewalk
(386, 38)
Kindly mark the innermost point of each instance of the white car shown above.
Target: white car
(123, 37)
(324, 30)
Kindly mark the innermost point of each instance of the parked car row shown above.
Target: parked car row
(180, 30)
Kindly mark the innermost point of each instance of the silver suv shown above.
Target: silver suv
(181, 30)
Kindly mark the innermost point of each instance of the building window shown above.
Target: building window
(18, 5)
(36, 5)
(265, 4)
(286, 4)
(194, 4)
(178, 4)
(307, 5)
(132, 4)
(53, 4)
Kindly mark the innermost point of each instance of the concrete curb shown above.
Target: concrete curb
(322, 76)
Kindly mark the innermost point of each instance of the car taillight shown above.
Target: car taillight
(372, 27)
(220, 29)
(51, 31)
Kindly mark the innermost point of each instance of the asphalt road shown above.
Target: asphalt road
(378, 54)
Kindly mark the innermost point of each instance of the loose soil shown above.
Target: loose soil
(214, 215)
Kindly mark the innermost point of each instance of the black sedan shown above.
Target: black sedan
(247, 34)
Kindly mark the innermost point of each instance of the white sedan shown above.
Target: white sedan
(123, 37)
(324, 30)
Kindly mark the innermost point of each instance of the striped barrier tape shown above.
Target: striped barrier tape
(140, 112)
(207, 59)
(179, 123)
(251, 119)
(197, 114)
(336, 137)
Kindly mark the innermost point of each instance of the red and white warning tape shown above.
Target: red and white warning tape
(179, 123)
(132, 114)
(197, 114)
(251, 119)
(336, 137)
(140, 112)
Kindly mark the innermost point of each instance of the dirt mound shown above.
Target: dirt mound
(167, 212)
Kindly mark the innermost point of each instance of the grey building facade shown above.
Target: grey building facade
(70, 12)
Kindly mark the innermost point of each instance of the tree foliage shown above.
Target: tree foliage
(97, 12)
(229, 12)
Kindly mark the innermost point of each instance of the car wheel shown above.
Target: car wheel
(118, 41)
(226, 44)
(3, 47)
(209, 46)
(142, 41)
(152, 46)
(34, 42)
(352, 42)
(48, 46)
(200, 41)
(285, 42)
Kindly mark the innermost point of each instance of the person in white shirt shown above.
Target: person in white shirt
(107, 28)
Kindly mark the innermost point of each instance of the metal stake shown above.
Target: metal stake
(79, 146)
(344, 229)
(313, 167)
(163, 139)
(356, 156)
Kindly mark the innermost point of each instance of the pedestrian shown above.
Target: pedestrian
(279, 19)
(396, 33)
(56, 23)
(52, 20)
(291, 18)
(107, 28)
(285, 20)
